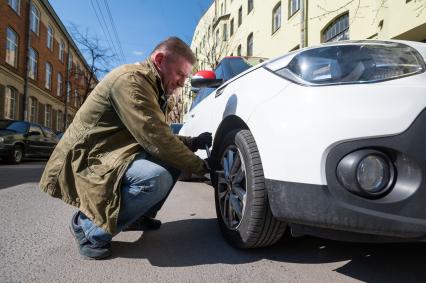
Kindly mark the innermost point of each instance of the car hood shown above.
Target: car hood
(10, 134)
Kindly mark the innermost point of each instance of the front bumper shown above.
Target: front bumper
(399, 214)
(6, 150)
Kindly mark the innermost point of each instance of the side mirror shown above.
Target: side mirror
(33, 133)
(205, 79)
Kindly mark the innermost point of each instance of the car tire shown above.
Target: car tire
(242, 206)
(18, 154)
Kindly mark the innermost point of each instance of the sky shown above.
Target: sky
(140, 24)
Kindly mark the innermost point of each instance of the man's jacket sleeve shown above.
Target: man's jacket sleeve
(187, 141)
(135, 100)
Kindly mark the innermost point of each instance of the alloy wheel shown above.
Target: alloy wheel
(232, 189)
(17, 154)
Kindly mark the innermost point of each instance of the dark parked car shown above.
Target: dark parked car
(20, 139)
(59, 134)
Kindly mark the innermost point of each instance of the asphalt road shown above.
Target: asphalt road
(36, 246)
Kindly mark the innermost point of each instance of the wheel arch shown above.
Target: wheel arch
(21, 144)
(231, 122)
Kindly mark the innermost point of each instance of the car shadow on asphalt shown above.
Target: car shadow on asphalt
(194, 242)
(11, 174)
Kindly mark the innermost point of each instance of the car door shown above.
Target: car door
(49, 141)
(35, 141)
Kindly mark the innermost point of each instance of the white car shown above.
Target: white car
(327, 141)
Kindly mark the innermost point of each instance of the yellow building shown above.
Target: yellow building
(270, 28)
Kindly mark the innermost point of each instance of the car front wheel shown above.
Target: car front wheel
(242, 205)
(18, 154)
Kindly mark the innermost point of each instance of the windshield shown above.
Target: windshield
(14, 126)
(238, 65)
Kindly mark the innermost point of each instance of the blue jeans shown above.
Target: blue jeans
(145, 184)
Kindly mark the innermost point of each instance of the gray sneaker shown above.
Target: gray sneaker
(85, 247)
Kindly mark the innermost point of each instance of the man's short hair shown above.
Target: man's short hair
(175, 46)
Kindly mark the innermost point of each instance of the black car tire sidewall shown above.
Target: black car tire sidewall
(13, 157)
(241, 235)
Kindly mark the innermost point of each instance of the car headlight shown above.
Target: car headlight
(369, 173)
(1, 140)
(352, 63)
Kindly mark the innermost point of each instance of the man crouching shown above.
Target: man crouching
(118, 160)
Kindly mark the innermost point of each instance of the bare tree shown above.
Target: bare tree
(216, 43)
(420, 8)
(97, 56)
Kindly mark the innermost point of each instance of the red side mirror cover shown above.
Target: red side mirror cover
(206, 74)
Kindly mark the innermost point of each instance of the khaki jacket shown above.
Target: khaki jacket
(120, 118)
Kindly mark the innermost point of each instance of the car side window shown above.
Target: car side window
(34, 128)
(49, 133)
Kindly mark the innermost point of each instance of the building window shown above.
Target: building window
(250, 45)
(293, 7)
(59, 85)
(225, 32)
(231, 27)
(32, 64)
(276, 17)
(222, 11)
(239, 50)
(61, 51)
(76, 97)
(240, 16)
(59, 120)
(77, 72)
(337, 30)
(10, 103)
(68, 91)
(12, 48)
(249, 6)
(70, 58)
(35, 19)
(48, 116)
(15, 5)
(48, 81)
(49, 42)
(33, 109)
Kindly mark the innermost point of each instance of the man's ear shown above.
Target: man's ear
(158, 58)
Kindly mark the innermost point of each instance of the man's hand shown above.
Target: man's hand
(201, 141)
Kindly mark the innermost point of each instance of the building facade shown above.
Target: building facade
(270, 28)
(42, 72)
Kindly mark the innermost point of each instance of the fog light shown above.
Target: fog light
(373, 174)
(366, 172)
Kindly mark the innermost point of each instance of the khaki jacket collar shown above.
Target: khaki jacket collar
(162, 96)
